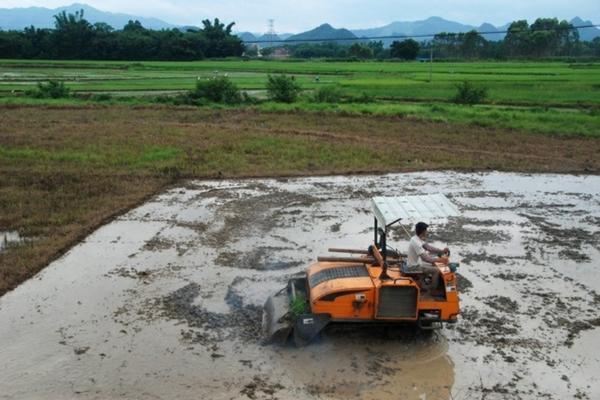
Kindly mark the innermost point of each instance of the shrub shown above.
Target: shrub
(363, 98)
(283, 88)
(50, 90)
(218, 89)
(328, 94)
(467, 93)
(101, 97)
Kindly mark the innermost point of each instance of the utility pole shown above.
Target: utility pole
(430, 59)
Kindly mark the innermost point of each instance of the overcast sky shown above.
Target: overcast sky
(299, 15)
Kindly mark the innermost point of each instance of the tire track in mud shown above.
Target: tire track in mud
(243, 322)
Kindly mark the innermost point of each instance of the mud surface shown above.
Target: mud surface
(165, 302)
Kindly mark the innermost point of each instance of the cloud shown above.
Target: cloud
(298, 15)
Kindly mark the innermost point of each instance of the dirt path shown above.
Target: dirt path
(165, 301)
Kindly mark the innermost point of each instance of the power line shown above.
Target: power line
(271, 31)
(424, 35)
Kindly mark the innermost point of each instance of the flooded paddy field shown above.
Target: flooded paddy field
(165, 301)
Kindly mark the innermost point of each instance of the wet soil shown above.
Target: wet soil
(179, 305)
(165, 302)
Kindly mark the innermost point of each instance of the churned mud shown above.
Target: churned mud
(165, 302)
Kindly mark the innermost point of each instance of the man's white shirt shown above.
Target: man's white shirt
(415, 250)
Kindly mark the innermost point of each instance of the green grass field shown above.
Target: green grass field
(529, 83)
(542, 97)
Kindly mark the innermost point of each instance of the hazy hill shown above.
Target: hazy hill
(246, 36)
(431, 25)
(269, 38)
(485, 27)
(20, 18)
(587, 33)
(40, 17)
(263, 39)
(324, 31)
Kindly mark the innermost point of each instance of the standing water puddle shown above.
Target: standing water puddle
(9, 238)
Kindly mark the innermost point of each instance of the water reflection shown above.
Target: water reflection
(371, 362)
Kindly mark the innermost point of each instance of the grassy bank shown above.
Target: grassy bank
(554, 121)
(66, 170)
(561, 122)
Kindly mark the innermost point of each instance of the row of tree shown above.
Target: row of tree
(73, 37)
(546, 37)
(407, 49)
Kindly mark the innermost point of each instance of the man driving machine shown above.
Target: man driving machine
(423, 256)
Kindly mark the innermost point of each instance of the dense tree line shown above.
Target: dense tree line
(546, 37)
(73, 37)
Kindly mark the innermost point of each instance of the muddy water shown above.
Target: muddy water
(9, 238)
(164, 302)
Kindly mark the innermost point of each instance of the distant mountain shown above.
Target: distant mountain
(485, 27)
(424, 27)
(324, 31)
(435, 25)
(20, 18)
(429, 26)
(265, 39)
(246, 36)
(269, 37)
(586, 33)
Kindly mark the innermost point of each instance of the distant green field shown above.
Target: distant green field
(541, 97)
(510, 83)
